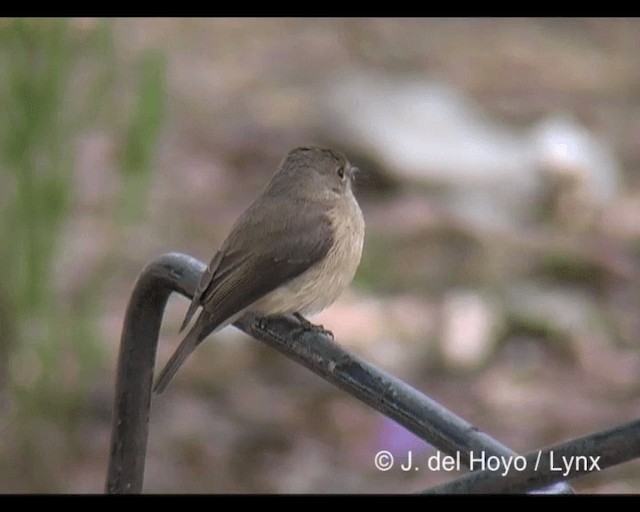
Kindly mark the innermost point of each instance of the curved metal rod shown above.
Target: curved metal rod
(136, 360)
(581, 456)
(382, 391)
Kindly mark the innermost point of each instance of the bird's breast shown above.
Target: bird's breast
(319, 286)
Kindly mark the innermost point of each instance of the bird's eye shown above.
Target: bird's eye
(341, 172)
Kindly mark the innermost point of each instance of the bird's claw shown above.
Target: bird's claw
(305, 324)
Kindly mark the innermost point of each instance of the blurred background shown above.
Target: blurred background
(500, 273)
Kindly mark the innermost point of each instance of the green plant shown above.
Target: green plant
(58, 78)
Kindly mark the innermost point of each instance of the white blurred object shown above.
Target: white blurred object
(469, 326)
(579, 173)
(563, 147)
(426, 132)
(423, 130)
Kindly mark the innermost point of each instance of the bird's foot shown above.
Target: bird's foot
(305, 324)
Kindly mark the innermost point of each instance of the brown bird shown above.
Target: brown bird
(293, 251)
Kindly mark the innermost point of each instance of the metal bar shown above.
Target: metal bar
(577, 457)
(136, 359)
(389, 395)
(385, 393)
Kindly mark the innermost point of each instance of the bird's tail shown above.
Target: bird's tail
(188, 345)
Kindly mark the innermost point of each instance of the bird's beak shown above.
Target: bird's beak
(353, 171)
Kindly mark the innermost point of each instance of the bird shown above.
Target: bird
(293, 251)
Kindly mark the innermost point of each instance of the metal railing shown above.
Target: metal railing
(389, 395)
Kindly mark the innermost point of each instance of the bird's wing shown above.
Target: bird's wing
(203, 284)
(238, 276)
(248, 271)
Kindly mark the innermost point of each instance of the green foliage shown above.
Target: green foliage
(45, 112)
(59, 78)
(35, 158)
(142, 133)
